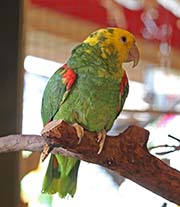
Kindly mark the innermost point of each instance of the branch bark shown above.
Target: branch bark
(125, 154)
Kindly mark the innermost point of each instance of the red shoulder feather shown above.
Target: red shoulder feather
(124, 83)
(69, 77)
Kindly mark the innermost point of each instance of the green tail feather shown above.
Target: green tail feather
(61, 176)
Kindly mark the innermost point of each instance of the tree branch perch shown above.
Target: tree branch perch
(126, 154)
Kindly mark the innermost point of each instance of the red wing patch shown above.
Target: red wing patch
(122, 91)
(124, 83)
(69, 77)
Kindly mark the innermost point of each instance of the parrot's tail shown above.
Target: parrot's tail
(61, 176)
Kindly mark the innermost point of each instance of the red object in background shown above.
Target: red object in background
(85, 9)
(92, 10)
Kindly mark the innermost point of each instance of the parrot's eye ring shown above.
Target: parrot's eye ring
(123, 39)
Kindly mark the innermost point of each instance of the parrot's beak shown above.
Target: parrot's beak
(133, 55)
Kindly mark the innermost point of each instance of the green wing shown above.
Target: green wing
(54, 94)
(61, 174)
(52, 97)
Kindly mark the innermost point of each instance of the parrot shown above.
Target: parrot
(89, 92)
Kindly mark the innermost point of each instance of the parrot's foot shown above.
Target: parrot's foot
(101, 140)
(46, 150)
(80, 131)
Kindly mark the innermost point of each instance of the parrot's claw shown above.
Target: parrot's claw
(46, 150)
(80, 131)
(101, 140)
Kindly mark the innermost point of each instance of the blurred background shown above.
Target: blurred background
(37, 37)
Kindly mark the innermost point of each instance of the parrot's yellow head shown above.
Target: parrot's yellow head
(115, 40)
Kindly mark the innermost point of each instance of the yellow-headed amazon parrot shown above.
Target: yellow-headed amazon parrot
(89, 92)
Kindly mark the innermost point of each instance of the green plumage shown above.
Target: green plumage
(94, 101)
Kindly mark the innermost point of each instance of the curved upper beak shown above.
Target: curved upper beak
(133, 55)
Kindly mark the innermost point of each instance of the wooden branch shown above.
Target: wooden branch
(126, 154)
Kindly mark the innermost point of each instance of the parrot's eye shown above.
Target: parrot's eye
(123, 39)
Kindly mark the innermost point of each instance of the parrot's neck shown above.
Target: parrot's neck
(111, 64)
(97, 60)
